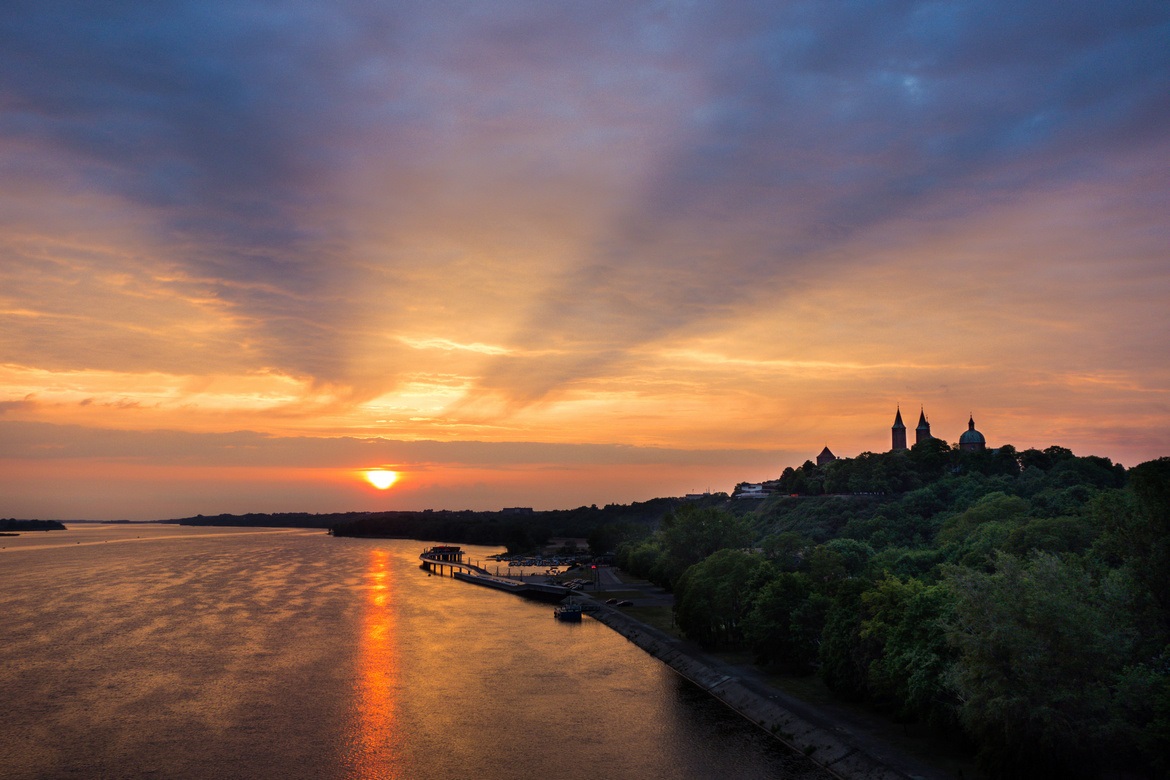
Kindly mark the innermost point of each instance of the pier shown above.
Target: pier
(449, 559)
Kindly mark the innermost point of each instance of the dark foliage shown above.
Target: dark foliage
(12, 524)
(1016, 601)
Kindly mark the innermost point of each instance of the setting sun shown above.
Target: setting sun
(381, 478)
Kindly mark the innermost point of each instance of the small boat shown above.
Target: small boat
(569, 612)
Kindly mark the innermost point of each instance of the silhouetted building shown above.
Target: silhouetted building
(972, 440)
(899, 431)
(922, 432)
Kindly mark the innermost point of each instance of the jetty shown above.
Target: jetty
(448, 560)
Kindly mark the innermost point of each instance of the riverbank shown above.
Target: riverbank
(841, 744)
(845, 745)
(837, 752)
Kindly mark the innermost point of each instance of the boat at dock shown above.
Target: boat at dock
(568, 612)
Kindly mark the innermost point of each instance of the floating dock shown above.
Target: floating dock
(449, 557)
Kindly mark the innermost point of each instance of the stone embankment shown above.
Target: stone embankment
(839, 753)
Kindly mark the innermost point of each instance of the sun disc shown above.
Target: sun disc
(381, 478)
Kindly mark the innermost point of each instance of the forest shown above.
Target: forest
(1015, 602)
(11, 524)
(519, 531)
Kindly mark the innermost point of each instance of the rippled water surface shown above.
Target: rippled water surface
(160, 651)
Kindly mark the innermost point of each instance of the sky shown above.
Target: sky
(554, 254)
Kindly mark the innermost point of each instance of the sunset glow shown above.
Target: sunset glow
(553, 255)
(381, 478)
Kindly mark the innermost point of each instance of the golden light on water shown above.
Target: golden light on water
(381, 478)
(375, 746)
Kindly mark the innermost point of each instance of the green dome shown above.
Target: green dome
(972, 437)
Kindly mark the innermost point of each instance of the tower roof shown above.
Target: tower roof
(898, 420)
(922, 423)
(971, 436)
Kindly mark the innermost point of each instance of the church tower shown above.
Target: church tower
(922, 432)
(972, 440)
(899, 432)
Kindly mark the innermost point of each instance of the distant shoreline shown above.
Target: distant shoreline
(20, 526)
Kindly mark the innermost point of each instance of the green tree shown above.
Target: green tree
(1150, 533)
(713, 596)
(1143, 693)
(993, 507)
(605, 538)
(785, 622)
(908, 620)
(855, 555)
(931, 459)
(1041, 644)
(1052, 534)
(786, 550)
(691, 533)
(844, 654)
(520, 538)
(638, 558)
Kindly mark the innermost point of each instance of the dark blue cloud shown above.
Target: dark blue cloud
(844, 104)
(236, 114)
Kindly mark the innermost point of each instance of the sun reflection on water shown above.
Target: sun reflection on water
(375, 747)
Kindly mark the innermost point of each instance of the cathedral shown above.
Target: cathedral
(971, 440)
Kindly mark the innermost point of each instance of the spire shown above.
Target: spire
(922, 432)
(898, 432)
(971, 423)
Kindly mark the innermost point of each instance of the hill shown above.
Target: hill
(1018, 602)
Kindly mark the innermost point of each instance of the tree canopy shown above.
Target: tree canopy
(1017, 600)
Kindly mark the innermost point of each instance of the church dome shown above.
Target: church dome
(971, 438)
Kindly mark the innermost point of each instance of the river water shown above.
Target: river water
(173, 652)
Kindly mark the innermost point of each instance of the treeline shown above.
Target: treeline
(264, 520)
(1019, 602)
(520, 532)
(12, 524)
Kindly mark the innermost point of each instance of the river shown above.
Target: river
(144, 651)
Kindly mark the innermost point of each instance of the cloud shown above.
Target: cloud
(821, 122)
(39, 441)
(553, 202)
(449, 346)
